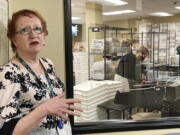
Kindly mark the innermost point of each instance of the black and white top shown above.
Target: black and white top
(21, 92)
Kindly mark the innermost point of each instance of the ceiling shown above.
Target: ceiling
(142, 7)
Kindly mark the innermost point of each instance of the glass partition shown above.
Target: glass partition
(108, 40)
(126, 58)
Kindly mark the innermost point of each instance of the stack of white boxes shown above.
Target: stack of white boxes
(92, 93)
(97, 46)
(80, 65)
(97, 70)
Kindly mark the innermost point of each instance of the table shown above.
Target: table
(110, 105)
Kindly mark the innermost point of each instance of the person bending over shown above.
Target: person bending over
(130, 65)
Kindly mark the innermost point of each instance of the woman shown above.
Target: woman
(32, 98)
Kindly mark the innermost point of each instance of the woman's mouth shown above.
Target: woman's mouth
(34, 43)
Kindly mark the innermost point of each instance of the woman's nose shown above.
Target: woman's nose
(32, 33)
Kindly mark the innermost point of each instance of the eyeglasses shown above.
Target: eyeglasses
(28, 30)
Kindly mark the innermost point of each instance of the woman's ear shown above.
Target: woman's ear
(14, 41)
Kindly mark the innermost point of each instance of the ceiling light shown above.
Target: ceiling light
(177, 7)
(75, 18)
(119, 12)
(161, 14)
(117, 2)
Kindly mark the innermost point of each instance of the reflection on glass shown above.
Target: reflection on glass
(126, 66)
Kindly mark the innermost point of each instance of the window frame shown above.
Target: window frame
(109, 125)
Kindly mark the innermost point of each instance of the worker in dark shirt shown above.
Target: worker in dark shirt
(130, 66)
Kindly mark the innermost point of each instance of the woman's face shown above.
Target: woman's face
(29, 37)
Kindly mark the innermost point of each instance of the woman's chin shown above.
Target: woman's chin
(35, 50)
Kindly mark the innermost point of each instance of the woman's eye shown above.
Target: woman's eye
(24, 30)
(38, 29)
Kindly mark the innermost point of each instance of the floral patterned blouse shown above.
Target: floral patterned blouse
(21, 92)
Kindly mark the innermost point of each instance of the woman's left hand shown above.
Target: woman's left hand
(59, 106)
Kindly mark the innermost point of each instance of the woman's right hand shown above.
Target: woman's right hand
(59, 106)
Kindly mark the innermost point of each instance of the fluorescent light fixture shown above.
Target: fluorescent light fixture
(117, 2)
(75, 18)
(119, 12)
(177, 7)
(161, 14)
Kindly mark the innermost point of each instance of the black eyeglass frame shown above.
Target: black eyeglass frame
(22, 31)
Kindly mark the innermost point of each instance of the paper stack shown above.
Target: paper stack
(80, 65)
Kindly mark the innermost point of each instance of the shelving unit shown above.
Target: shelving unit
(159, 52)
(161, 41)
(108, 44)
(104, 46)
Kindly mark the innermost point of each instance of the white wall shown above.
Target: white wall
(52, 11)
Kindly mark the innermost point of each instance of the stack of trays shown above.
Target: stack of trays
(113, 87)
(92, 93)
